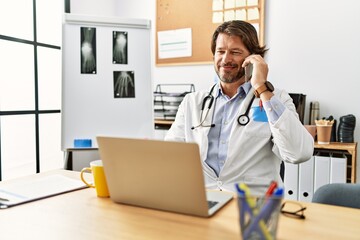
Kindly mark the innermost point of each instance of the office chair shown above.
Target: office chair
(340, 194)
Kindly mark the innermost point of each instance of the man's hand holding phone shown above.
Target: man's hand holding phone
(248, 72)
(256, 70)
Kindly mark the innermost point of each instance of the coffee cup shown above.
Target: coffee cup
(323, 133)
(97, 170)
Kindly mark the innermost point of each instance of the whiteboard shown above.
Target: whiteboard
(89, 106)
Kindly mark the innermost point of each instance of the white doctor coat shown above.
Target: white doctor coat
(255, 151)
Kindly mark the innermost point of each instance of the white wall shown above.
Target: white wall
(93, 7)
(314, 50)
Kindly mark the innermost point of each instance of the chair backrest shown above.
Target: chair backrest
(340, 194)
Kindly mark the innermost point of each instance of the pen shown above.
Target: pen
(4, 199)
(240, 191)
(277, 196)
(264, 214)
(259, 223)
(271, 188)
(242, 204)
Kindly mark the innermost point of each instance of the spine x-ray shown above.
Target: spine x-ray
(124, 84)
(120, 53)
(88, 50)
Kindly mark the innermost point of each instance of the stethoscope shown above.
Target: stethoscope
(243, 119)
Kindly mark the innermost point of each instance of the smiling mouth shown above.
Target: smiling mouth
(229, 66)
(227, 69)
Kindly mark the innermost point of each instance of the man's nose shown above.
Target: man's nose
(227, 58)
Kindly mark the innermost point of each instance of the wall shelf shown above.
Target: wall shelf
(349, 149)
(167, 98)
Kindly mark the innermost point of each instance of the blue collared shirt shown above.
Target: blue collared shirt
(225, 113)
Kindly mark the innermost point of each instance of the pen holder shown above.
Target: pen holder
(258, 216)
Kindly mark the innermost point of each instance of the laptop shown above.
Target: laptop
(159, 175)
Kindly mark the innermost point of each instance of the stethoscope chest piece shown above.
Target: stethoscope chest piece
(243, 119)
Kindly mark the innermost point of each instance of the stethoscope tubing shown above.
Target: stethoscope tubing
(243, 119)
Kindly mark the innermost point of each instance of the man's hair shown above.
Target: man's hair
(242, 29)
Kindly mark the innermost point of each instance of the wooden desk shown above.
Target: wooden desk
(163, 124)
(82, 215)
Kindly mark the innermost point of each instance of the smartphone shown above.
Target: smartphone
(248, 72)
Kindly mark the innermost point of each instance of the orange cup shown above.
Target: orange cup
(323, 133)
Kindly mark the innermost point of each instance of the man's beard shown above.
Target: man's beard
(230, 78)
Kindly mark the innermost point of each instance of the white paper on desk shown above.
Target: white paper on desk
(21, 192)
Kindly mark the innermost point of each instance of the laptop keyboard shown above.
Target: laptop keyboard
(211, 204)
